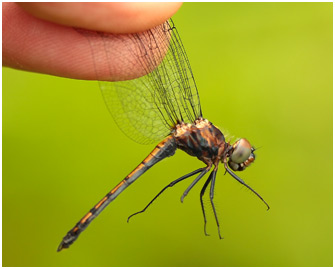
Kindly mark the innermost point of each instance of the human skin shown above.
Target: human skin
(40, 37)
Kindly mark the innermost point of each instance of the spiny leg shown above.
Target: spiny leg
(195, 182)
(168, 186)
(245, 184)
(212, 201)
(202, 202)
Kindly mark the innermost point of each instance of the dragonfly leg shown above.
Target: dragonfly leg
(245, 184)
(168, 186)
(202, 202)
(205, 170)
(213, 177)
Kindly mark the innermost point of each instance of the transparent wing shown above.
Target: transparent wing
(146, 108)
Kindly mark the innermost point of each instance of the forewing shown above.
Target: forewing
(146, 108)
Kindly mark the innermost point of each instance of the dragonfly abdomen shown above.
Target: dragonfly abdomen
(164, 149)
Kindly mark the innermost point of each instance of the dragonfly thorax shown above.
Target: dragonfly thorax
(202, 140)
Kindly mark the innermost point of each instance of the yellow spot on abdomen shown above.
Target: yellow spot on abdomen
(86, 217)
(118, 186)
(100, 203)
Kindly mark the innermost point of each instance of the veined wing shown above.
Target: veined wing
(146, 108)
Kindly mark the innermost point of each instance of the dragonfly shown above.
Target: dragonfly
(162, 104)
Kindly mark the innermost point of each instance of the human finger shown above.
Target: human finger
(36, 45)
(106, 17)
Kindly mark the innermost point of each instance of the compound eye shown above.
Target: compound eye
(242, 151)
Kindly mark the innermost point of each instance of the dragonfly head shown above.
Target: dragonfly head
(241, 155)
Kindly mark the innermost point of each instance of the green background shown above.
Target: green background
(264, 72)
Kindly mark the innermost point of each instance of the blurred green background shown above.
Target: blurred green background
(264, 72)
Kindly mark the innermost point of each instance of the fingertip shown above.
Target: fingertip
(107, 17)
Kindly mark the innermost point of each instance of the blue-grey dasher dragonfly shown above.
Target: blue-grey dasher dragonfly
(163, 105)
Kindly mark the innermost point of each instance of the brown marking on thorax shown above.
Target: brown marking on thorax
(201, 139)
